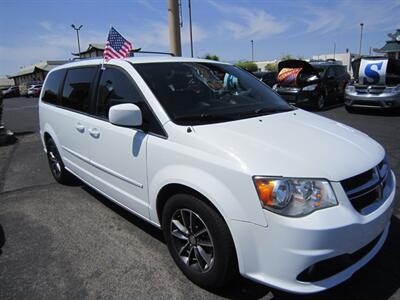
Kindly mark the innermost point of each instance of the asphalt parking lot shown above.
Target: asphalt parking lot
(69, 242)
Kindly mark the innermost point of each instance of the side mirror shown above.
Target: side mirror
(127, 114)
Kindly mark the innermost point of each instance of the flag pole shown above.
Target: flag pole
(102, 63)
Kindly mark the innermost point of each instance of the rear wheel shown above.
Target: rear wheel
(199, 241)
(56, 164)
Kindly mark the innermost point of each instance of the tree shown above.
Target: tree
(247, 65)
(211, 56)
(271, 67)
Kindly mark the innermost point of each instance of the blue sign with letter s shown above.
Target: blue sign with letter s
(373, 71)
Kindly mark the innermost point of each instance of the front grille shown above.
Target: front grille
(370, 89)
(368, 187)
(331, 266)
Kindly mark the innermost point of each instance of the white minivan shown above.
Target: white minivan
(238, 180)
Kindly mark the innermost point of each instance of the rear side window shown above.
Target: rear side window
(77, 86)
(53, 83)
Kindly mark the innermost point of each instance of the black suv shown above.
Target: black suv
(269, 78)
(312, 84)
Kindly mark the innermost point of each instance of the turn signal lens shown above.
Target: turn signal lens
(273, 193)
(265, 189)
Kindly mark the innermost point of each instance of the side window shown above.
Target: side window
(76, 91)
(115, 87)
(53, 83)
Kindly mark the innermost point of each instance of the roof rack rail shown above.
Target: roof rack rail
(151, 52)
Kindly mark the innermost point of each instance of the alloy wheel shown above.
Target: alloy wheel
(192, 240)
(55, 164)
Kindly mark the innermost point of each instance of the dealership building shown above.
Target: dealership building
(392, 47)
(35, 73)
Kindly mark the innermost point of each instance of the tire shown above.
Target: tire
(204, 252)
(56, 164)
(320, 105)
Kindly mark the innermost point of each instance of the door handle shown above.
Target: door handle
(80, 127)
(94, 132)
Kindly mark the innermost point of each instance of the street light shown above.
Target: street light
(77, 36)
(252, 50)
(361, 33)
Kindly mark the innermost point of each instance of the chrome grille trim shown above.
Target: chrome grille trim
(369, 191)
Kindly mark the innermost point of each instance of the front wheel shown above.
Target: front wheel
(199, 241)
(321, 102)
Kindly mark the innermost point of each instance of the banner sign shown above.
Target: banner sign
(372, 71)
(288, 76)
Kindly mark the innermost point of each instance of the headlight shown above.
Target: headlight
(310, 87)
(294, 197)
(393, 90)
(350, 88)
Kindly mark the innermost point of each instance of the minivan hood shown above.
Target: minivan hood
(292, 144)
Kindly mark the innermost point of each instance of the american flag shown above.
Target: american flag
(116, 46)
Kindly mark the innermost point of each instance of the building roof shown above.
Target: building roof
(96, 46)
(391, 46)
(90, 48)
(41, 66)
(4, 81)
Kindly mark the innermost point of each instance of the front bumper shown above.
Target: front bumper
(299, 98)
(383, 100)
(275, 255)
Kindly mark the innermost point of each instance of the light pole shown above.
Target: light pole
(334, 50)
(190, 28)
(77, 36)
(252, 50)
(361, 33)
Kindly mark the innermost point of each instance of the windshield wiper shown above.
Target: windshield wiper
(204, 117)
(265, 111)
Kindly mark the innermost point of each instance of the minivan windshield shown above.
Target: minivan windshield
(194, 93)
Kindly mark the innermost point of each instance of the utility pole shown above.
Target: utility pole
(174, 30)
(190, 28)
(252, 50)
(361, 33)
(334, 49)
(77, 36)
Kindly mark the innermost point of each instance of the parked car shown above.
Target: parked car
(269, 78)
(236, 178)
(12, 91)
(376, 84)
(313, 84)
(34, 90)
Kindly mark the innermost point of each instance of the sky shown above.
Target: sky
(35, 30)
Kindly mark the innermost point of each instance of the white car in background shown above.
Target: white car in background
(237, 179)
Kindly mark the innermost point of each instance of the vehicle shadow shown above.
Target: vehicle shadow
(379, 279)
(2, 238)
(134, 220)
(377, 112)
